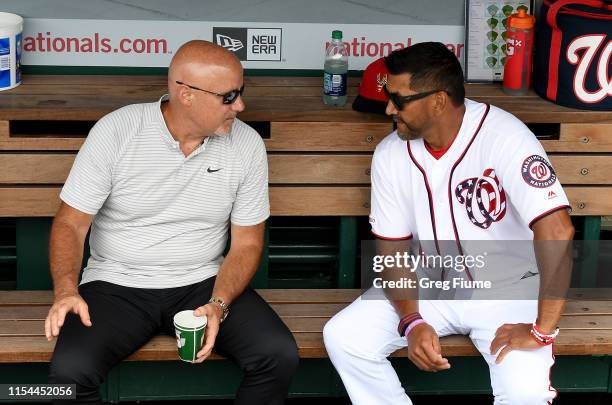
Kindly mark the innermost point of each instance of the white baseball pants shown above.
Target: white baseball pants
(360, 337)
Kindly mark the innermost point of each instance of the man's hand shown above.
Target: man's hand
(57, 314)
(213, 313)
(512, 337)
(424, 349)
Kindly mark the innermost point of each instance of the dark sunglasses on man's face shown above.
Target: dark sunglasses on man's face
(228, 98)
(401, 101)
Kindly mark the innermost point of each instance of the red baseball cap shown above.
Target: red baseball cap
(372, 97)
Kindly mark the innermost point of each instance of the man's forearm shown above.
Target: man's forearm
(405, 299)
(65, 257)
(549, 313)
(553, 237)
(236, 272)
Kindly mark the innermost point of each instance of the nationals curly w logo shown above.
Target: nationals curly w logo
(591, 44)
(483, 197)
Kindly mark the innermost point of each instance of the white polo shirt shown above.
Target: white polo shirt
(162, 219)
(492, 184)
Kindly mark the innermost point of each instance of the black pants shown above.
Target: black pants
(123, 319)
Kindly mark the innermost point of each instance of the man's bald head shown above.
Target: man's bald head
(197, 58)
(206, 72)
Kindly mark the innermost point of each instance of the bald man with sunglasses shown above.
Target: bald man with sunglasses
(161, 185)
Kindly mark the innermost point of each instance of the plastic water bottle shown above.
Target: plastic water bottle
(519, 45)
(335, 71)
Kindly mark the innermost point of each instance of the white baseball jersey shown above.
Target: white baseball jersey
(492, 184)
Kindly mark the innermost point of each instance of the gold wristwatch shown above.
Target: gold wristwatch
(222, 304)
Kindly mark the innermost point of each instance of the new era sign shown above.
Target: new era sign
(250, 44)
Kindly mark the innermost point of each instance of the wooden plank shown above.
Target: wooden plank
(35, 168)
(37, 349)
(585, 137)
(588, 324)
(288, 201)
(319, 169)
(267, 108)
(32, 313)
(29, 202)
(326, 137)
(53, 168)
(590, 294)
(154, 92)
(93, 107)
(572, 308)
(37, 327)
(4, 129)
(307, 311)
(575, 308)
(583, 169)
(24, 313)
(310, 296)
(271, 99)
(22, 328)
(319, 201)
(591, 301)
(41, 144)
(583, 322)
(273, 296)
(590, 200)
(17, 298)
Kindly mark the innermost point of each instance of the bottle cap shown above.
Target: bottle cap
(521, 20)
(336, 34)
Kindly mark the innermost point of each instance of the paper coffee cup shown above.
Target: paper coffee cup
(189, 331)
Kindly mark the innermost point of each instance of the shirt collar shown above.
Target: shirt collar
(165, 132)
(167, 137)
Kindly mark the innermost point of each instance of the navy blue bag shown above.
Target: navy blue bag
(573, 50)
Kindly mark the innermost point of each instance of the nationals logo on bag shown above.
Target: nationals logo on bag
(574, 47)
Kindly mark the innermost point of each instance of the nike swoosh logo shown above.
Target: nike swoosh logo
(209, 170)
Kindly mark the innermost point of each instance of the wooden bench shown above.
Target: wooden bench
(586, 329)
(586, 325)
(319, 161)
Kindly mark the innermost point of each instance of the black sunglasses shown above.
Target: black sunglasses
(401, 101)
(228, 98)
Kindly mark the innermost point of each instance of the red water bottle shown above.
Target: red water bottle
(519, 47)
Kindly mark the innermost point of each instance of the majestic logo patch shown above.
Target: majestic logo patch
(483, 197)
(537, 172)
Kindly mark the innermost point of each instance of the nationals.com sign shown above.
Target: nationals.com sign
(54, 42)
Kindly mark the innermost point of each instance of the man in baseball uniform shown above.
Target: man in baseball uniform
(455, 171)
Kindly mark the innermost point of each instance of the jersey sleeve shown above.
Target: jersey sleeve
(529, 178)
(90, 180)
(389, 217)
(252, 204)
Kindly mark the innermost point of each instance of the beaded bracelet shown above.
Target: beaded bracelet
(542, 338)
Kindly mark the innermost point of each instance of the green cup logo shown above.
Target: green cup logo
(189, 331)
